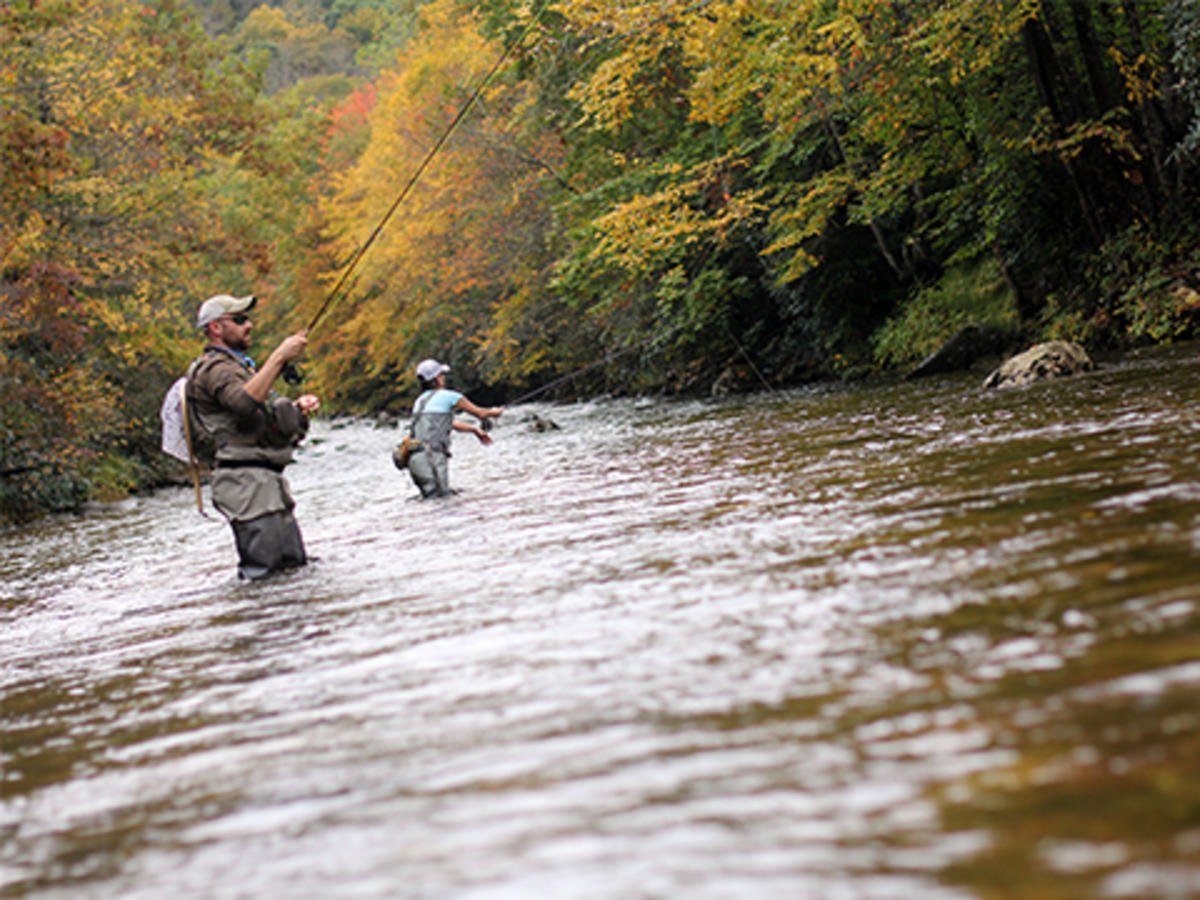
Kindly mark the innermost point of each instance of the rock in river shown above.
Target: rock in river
(1053, 359)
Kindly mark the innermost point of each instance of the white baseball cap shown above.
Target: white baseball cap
(222, 305)
(429, 369)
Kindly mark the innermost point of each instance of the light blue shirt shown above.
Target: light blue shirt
(442, 401)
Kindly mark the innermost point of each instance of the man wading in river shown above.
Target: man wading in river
(255, 433)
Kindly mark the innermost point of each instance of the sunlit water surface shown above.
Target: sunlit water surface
(896, 641)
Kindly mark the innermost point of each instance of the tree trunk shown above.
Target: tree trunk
(873, 225)
(1093, 63)
(1037, 51)
(1152, 122)
(1045, 74)
(1028, 305)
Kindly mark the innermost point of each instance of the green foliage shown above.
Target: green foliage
(1184, 24)
(296, 46)
(1149, 279)
(27, 492)
(970, 293)
(111, 476)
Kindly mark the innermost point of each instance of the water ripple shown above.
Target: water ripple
(824, 642)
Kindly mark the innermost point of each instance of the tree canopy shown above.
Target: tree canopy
(747, 190)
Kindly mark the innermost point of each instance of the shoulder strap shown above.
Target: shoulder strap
(421, 404)
(203, 360)
(193, 370)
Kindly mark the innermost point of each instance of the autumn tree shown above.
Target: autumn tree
(115, 118)
(469, 238)
(759, 186)
(865, 151)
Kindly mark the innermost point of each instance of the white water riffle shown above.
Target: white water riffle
(782, 645)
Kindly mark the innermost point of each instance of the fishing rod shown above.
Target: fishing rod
(563, 379)
(292, 373)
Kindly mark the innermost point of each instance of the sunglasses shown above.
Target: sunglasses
(238, 318)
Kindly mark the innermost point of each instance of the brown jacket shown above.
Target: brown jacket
(253, 440)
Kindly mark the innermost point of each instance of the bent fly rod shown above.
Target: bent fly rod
(291, 372)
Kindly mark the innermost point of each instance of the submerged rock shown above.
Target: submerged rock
(732, 380)
(1053, 359)
(968, 344)
(537, 423)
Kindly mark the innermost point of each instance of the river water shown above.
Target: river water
(905, 640)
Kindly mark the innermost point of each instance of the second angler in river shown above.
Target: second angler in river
(426, 450)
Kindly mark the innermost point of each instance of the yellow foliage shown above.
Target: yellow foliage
(694, 206)
(457, 242)
(1142, 78)
(265, 23)
(805, 213)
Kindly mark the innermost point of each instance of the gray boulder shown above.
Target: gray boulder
(968, 344)
(1053, 359)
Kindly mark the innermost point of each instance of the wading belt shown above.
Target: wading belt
(248, 464)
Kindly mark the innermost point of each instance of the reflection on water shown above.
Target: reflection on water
(911, 640)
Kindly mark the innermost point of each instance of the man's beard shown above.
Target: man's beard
(237, 340)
